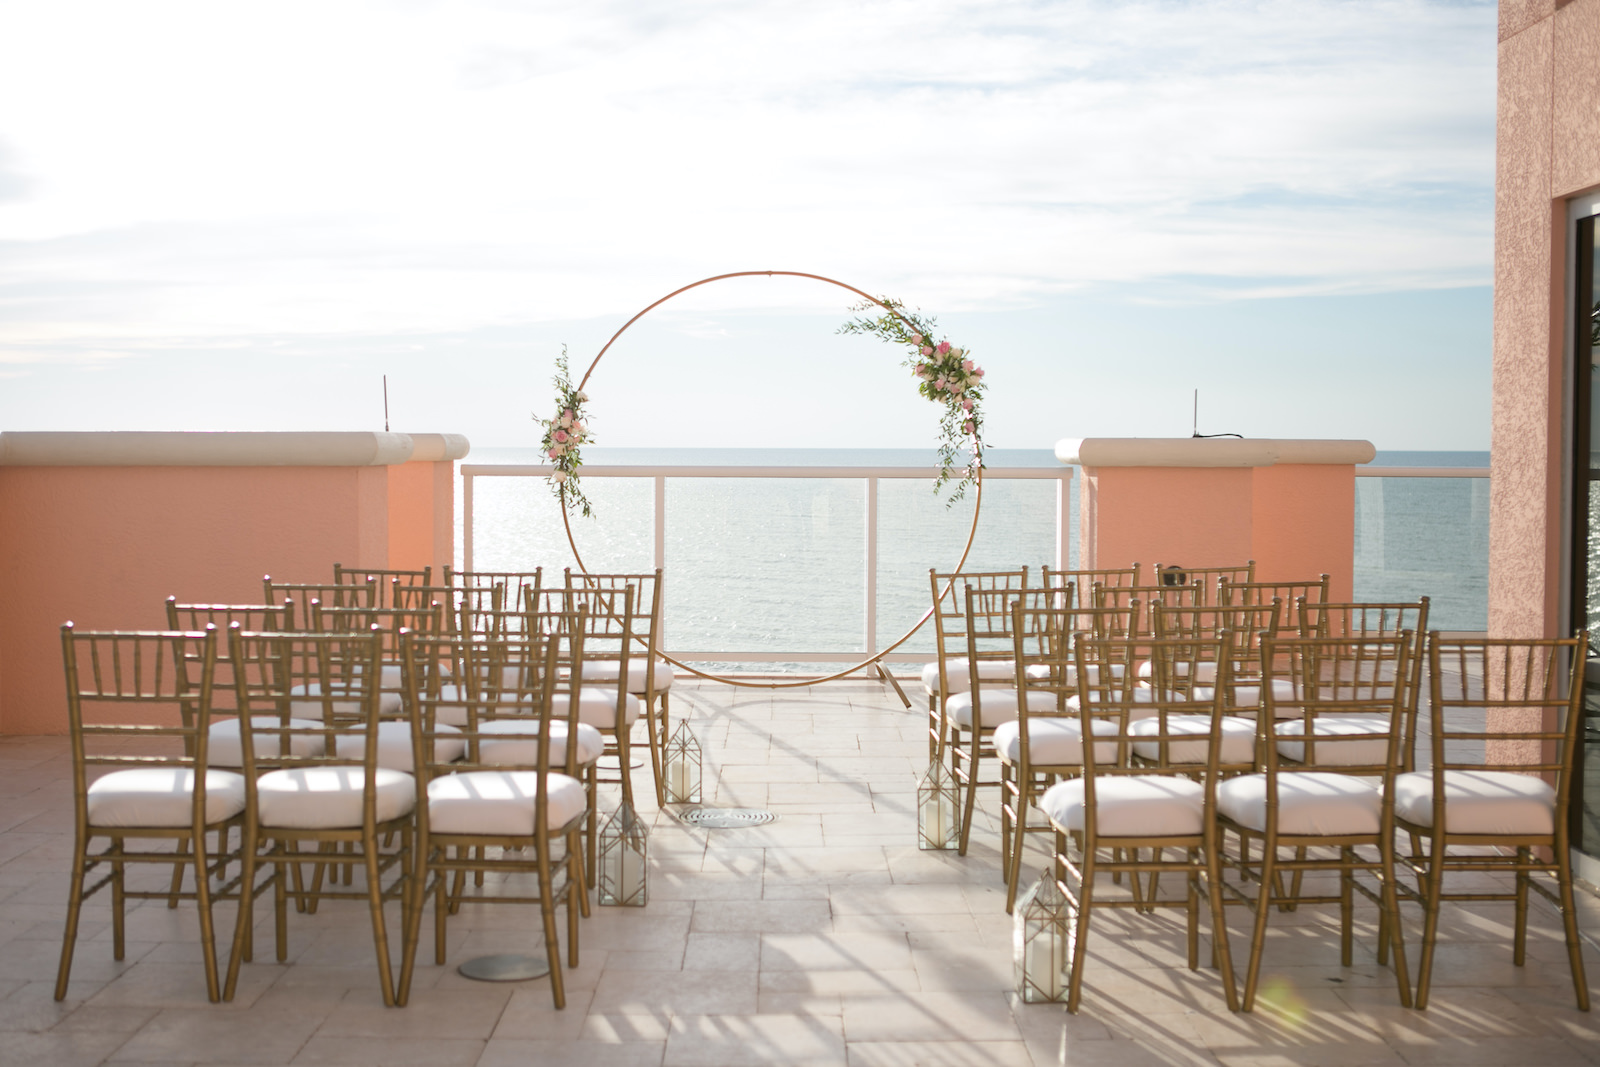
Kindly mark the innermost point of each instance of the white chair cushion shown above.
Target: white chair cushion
(1205, 671)
(523, 746)
(997, 706)
(225, 749)
(394, 746)
(390, 676)
(1248, 694)
(1155, 805)
(958, 673)
(597, 706)
(500, 802)
(162, 796)
(1309, 803)
(329, 798)
(1238, 739)
(606, 671)
(1356, 753)
(389, 703)
(1479, 802)
(1053, 742)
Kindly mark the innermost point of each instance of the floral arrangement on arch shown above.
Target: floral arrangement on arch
(945, 375)
(564, 436)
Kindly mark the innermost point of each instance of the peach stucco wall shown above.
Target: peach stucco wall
(104, 546)
(1548, 149)
(1297, 521)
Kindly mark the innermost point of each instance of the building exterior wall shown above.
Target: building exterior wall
(104, 544)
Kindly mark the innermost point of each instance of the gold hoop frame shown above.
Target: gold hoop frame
(876, 657)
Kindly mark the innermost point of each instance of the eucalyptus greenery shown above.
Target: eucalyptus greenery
(945, 375)
(564, 436)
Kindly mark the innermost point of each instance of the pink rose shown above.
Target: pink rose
(916, 338)
(555, 453)
(966, 427)
(966, 365)
(978, 371)
(967, 404)
(944, 348)
(925, 351)
(921, 369)
(561, 437)
(568, 415)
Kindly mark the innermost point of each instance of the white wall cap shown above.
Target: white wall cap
(207, 449)
(438, 447)
(1206, 452)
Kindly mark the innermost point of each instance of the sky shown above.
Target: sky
(245, 215)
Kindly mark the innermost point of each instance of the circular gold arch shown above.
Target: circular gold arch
(876, 657)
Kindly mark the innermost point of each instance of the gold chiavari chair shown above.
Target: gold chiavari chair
(1085, 580)
(320, 809)
(383, 581)
(1205, 577)
(609, 615)
(510, 806)
(1517, 703)
(1376, 619)
(947, 675)
(1147, 818)
(460, 604)
(971, 717)
(301, 594)
(1286, 594)
(521, 588)
(159, 786)
(224, 747)
(1334, 811)
(1044, 743)
(649, 676)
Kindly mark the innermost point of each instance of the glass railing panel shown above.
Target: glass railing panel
(517, 526)
(765, 564)
(1425, 537)
(917, 532)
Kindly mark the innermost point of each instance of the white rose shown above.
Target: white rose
(583, 397)
(558, 477)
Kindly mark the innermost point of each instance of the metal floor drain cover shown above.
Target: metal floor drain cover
(727, 818)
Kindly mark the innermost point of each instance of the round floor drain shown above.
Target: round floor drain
(727, 818)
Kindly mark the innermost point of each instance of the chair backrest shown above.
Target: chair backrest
(1286, 594)
(950, 610)
(384, 581)
(1140, 601)
(1243, 625)
(459, 605)
(521, 587)
(136, 699)
(302, 691)
(1330, 678)
(608, 617)
(648, 604)
(335, 595)
(1205, 577)
(223, 616)
(1085, 579)
(1376, 619)
(1513, 703)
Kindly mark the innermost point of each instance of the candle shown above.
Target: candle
(678, 782)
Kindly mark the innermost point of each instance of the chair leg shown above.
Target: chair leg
(1221, 949)
(547, 912)
(208, 934)
(1569, 922)
(1080, 929)
(1258, 936)
(416, 898)
(658, 769)
(1019, 837)
(119, 943)
(177, 871)
(1432, 898)
(243, 932)
(970, 803)
(69, 938)
(1391, 908)
(380, 934)
(1347, 885)
(1519, 952)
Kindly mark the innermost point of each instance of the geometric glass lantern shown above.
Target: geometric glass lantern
(936, 808)
(683, 766)
(624, 844)
(1041, 938)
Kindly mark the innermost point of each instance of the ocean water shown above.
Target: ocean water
(778, 564)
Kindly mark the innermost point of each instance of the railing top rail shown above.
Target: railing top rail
(1422, 472)
(636, 470)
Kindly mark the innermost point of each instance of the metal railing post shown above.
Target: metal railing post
(871, 633)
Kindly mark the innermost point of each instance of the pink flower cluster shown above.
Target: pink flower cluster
(565, 432)
(947, 376)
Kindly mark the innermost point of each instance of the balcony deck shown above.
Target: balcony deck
(823, 938)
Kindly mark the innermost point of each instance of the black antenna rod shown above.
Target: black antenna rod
(385, 403)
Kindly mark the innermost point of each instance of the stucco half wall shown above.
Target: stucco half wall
(1204, 502)
(100, 528)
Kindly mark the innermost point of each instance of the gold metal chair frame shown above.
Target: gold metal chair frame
(171, 670)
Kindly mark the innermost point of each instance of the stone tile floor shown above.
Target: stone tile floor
(823, 938)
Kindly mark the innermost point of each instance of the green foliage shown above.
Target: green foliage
(564, 436)
(945, 375)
